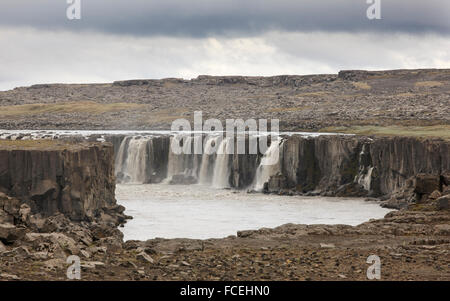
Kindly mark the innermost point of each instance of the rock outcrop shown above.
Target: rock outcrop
(59, 177)
(381, 166)
(57, 199)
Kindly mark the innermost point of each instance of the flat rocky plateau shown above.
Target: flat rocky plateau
(312, 102)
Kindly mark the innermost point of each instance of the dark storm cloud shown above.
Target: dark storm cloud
(200, 18)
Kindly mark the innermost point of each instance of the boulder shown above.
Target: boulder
(182, 179)
(24, 212)
(92, 264)
(394, 203)
(55, 239)
(445, 189)
(6, 218)
(277, 182)
(351, 190)
(10, 233)
(435, 195)
(10, 205)
(144, 257)
(443, 202)
(446, 178)
(9, 276)
(54, 264)
(427, 184)
(2, 248)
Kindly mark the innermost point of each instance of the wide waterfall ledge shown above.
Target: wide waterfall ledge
(313, 178)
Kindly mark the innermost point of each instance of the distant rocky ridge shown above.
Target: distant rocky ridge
(307, 102)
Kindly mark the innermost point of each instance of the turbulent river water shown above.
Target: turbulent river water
(200, 211)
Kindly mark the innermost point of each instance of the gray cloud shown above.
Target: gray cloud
(30, 56)
(201, 18)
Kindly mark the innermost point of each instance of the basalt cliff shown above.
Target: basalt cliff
(329, 165)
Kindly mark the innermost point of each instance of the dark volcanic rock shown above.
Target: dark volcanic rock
(276, 183)
(381, 165)
(443, 202)
(182, 179)
(76, 180)
(427, 184)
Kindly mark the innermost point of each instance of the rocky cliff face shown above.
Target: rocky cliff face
(346, 165)
(59, 177)
(339, 165)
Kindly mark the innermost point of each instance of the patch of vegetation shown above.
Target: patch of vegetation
(432, 131)
(42, 144)
(66, 107)
(361, 85)
(428, 84)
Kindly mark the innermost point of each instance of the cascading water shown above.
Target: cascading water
(221, 166)
(364, 176)
(187, 163)
(365, 180)
(151, 159)
(208, 159)
(132, 160)
(264, 172)
(121, 156)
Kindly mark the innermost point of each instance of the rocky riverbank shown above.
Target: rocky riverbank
(412, 245)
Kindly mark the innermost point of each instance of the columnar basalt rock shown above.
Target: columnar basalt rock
(59, 177)
(380, 165)
(332, 165)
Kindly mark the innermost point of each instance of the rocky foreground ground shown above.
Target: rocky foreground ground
(312, 102)
(412, 245)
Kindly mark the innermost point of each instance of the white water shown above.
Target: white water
(185, 163)
(198, 211)
(135, 165)
(264, 172)
(209, 153)
(365, 180)
(221, 167)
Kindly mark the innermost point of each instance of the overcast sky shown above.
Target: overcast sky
(125, 39)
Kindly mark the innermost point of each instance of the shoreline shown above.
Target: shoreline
(404, 240)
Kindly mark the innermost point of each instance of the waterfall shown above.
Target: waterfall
(264, 172)
(151, 159)
(365, 180)
(187, 163)
(221, 167)
(132, 160)
(121, 156)
(208, 159)
(364, 176)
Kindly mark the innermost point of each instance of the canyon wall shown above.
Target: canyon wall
(379, 165)
(334, 165)
(59, 177)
